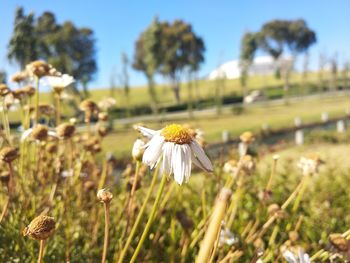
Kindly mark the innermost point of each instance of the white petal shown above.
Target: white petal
(187, 159)
(290, 257)
(201, 157)
(167, 156)
(176, 163)
(147, 132)
(25, 134)
(153, 151)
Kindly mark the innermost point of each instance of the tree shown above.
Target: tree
(181, 50)
(278, 35)
(124, 80)
(3, 76)
(22, 47)
(249, 45)
(147, 57)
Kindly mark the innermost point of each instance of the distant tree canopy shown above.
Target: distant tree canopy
(169, 49)
(276, 37)
(68, 48)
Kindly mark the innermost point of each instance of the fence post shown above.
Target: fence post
(299, 137)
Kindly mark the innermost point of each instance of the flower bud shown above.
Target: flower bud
(40, 228)
(104, 195)
(8, 154)
(138, 149)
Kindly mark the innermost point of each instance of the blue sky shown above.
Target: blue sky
(117, 24)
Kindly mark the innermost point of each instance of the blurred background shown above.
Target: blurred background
(223, 67)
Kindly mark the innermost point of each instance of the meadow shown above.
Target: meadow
(67, 197)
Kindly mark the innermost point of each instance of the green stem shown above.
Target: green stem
(150, 219)
(139, 216)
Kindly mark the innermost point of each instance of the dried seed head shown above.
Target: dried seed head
(18, 94)
(293, 236)
(88, 106)
(40, 228)
(131, 183)
(8, 154)
(102, 131)
(272, 209)
(104, 195)
(51, 148)
(103, 116)
(19, 76)
(4, 90)
(40, 69)
(339, 242)
(247, 137)
(65, 130)
(29, 90)
(40, 132)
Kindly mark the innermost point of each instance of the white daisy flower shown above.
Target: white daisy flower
(301, 257)
(60, 82)
(178, 148)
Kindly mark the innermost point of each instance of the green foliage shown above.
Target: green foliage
(22, 47)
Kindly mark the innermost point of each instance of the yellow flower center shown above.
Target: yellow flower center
(177, 134)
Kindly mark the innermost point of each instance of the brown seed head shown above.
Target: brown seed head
(88, 106)
(8, 154)
(102, 131)
(103, 116)
(19, 76)
(65, 130)
(4, 90)
(29, 90)
(272, 209)
(40, 132)
(104, 195)
(51, 148)
(89, 186)
(40, 69)
(40, 228)
(339, 242)
(293, 236)
(18, 94)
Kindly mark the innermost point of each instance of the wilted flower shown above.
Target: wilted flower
(310, 165)
(104, 195)
(40, 69)
(39, 133)
(58, 83)
(178, 148)
(65, 130)
(19, 76)
(299, 257)
(138, 149)
(40, 228)
(339, 242)
(4, 90)
(230, 167)
(247, 163)
(8, 154)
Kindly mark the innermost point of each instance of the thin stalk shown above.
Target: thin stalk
(139, 217)
(41, 251)
(150, 219)
(272, 175)
(105, 245)
(58, 109)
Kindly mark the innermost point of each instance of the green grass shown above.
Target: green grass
(276, 116)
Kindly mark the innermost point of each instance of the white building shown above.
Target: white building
(264, 65)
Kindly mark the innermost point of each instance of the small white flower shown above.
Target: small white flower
(60, 82)
(309, 165)
(227, 237)
(176, 145)
(138, 149)
(301, 257)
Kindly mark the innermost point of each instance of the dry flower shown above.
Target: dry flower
(104, 195)
(8, 154)
(40, 228)
(65, 130)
